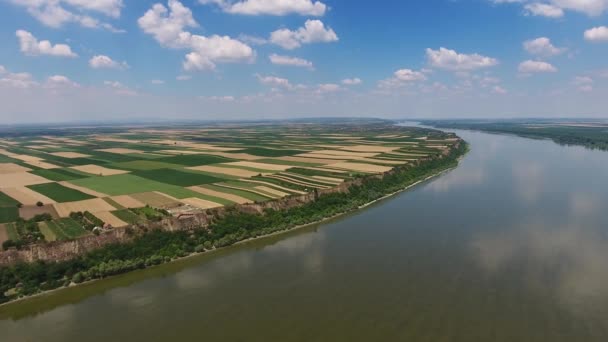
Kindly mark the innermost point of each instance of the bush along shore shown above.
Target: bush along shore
(155, 247)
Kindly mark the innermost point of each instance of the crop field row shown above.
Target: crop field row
(112, 176)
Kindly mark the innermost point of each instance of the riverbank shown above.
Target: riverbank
(335, 204)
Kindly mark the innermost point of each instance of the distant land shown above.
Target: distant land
(584, 132)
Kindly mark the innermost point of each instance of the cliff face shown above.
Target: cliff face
(66, 250)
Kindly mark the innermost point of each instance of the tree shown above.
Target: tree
(39, 204)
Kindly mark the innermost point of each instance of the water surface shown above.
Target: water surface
(510, 246)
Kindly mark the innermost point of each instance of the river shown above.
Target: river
(510, 246)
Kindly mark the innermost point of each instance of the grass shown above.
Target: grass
(49, 234)
(267, 152)
(7, 201)
(127, 184)
(69, 227)
(286, 162)
(12, 232)
(58, 175)
(9, 214)
(142, 165)
(243, 193)
(195, 159)
(60, 193)
(177, 177)
(127, 216)
(113, 203)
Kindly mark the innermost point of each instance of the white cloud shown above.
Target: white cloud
(274, 81)
(2, 70)
(119, 88)
(32, 47)
(583, 83)
(499, 90)
(60, 81)
(352, 81)
(105, 62)
(271, 7)
(555, 8)
(544, 10)
(157, 82)
(454, 61)
(530, 67)
(402, 77)
(167, 26)
(328, 88)
(22, 80)
(542, 47)
(290, 61)
(597, 34)
(227, 98)
(183, 77)
(314, 31)
(55, 14)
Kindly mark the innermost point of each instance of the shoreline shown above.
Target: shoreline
(243, 242)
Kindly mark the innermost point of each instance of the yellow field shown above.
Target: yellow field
(109, 218)
(127, 201)
(120, 150)
(11, 168)
(26, 196)
(94, 205)
(360, 167)
(20, 179)
(261, 166)
(83, 189)
(224, 195)
(225, 171)
(98, 170)
(200, 203)
(70, 155)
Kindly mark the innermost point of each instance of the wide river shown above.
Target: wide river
(510, 246)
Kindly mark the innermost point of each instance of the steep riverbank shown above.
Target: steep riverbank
(222, 229)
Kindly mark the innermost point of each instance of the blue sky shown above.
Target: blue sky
(65, 60)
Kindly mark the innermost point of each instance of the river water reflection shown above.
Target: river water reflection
(510, 246)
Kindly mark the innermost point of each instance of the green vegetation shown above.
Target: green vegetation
(66, 228)
(9, 214)
(243, 193)
(7, 201)
(87, 220)
(151, 214)
(131, 184)
(157, 246)
(195, 159)
(591, 135)
(177, 177)
(143, 165)
(58, 175)
(23, 232)
(59, 192)
(127, 216)
(267, 152)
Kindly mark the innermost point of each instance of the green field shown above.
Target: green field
(60, 193)
(66, 228)
(7, 201)
(195, 160)
(58, 175)
(177, 177)
(127, 216)
(141, 165)
(9, 214)
(243, 193)
(267, 152)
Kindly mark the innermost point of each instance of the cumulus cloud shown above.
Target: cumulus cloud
(227, 98)
(555, 8)
(314, 31)
(544, 10)
(290, 61)
(597, 34)
(157, 82)
(60, 81)
(57, 13)
(32, 47)
(167, 24)
(352, 81)
(451, 60)
(274, 81)
(271, 7)
(21, 80)
(105, 62)
(499, 90)
(328, 88)
(183, 77)
(583, 83)
(531, 67)
(402, 77)
(542, 47)
(119, 88)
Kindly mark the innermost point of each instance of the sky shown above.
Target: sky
(128, 60)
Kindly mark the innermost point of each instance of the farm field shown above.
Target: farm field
(118, 177)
